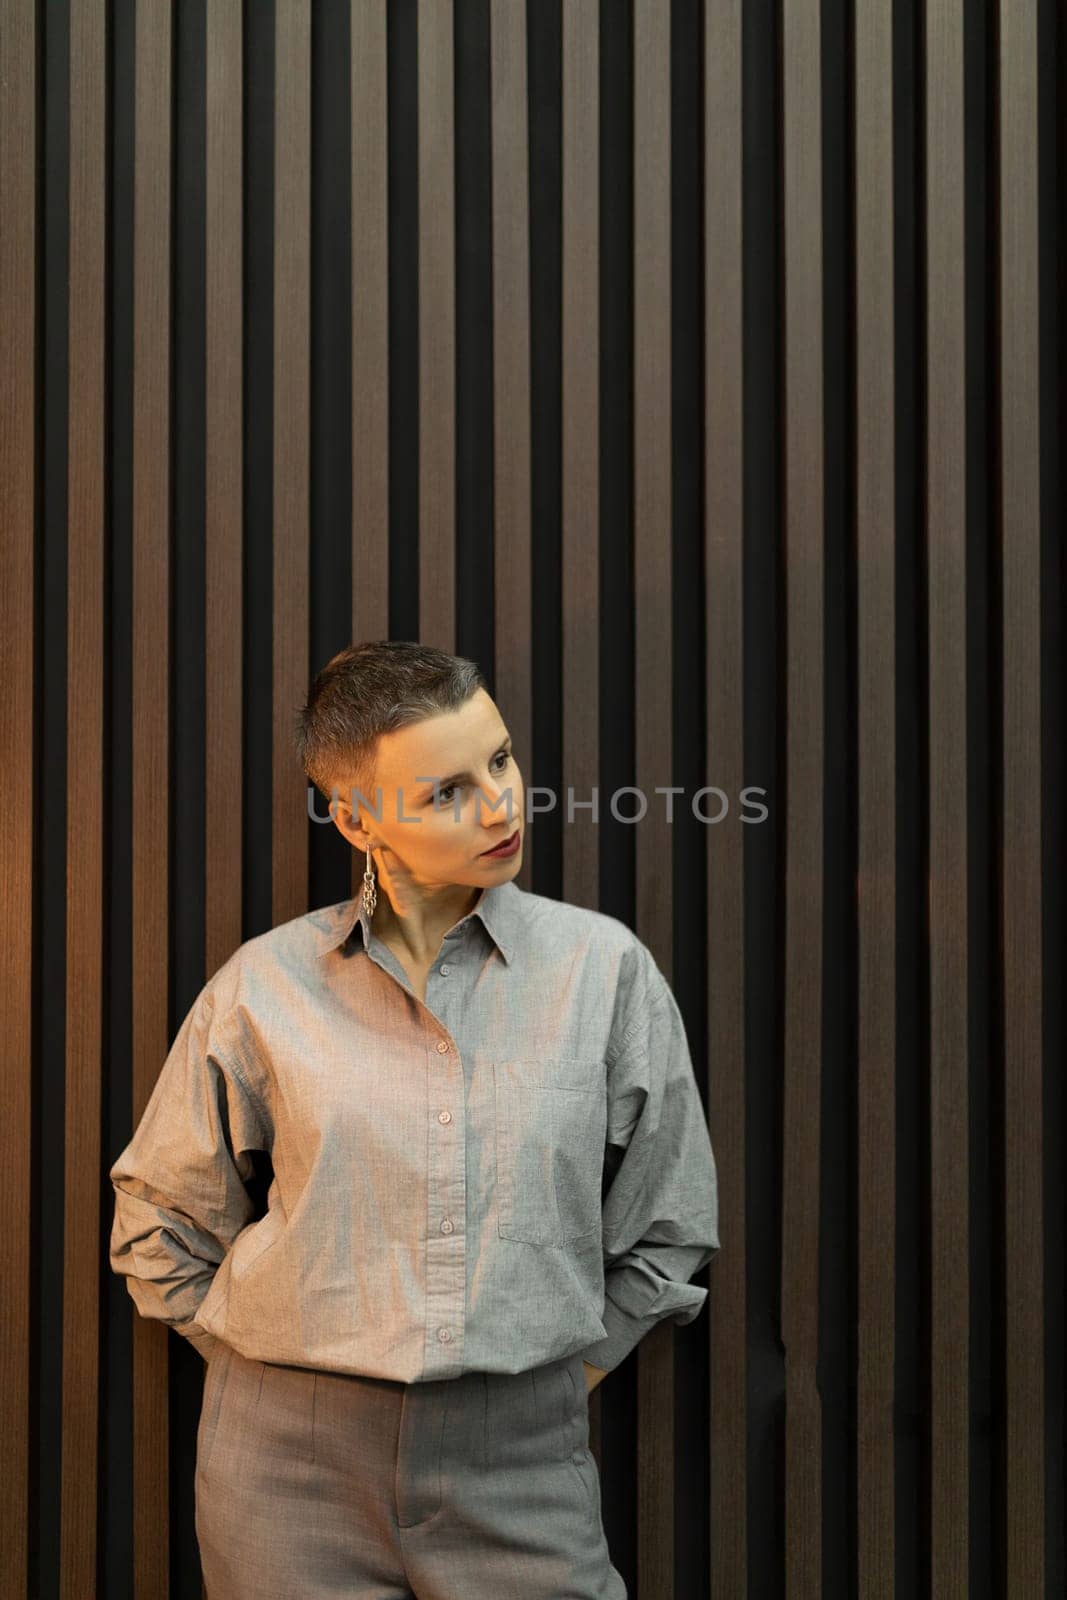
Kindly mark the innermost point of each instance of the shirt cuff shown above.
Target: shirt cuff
(635, 1300)
(198, 1337)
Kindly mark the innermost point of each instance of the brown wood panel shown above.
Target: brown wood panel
(876, 783)
(437, 327)
(18, 438)
(150, 712)
(370, 331)
(292, 413)
(224, 489)
(580, 443)
(511, 386)
(946, 530)
(370, 324)
(724, 512)
(654, 688)
(86, 503)
(1020, 516)
(580, 471)
(804, 628)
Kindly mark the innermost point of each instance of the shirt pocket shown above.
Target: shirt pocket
(254, 1241)
(550, 1123)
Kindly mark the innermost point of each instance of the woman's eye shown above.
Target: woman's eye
(504, 757)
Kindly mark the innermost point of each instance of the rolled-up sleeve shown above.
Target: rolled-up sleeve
(180, 1184)
(660, 1202)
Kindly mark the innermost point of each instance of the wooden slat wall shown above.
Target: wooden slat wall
(803, 514)
(150, 719)
(949, 232)
(292, 440)
(724, 757)
(511, 377)
(653, 686)
(1021, 877)
(876, 930)
(19, 50)
(947, 801)
(87, 411)
(223, 480)
(437, 325)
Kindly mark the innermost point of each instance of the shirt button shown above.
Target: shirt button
(447, 1225)
(445, 1335)
(445, 968)
(442, 1047)
(444, 1116)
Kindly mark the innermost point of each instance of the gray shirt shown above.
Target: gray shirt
(517, 1169)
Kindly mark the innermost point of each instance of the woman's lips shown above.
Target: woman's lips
(507, 848)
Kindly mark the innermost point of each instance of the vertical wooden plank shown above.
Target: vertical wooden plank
(581, 444)
(876, 888)
(370, 331)
(86, 502)
(151, 719)
(804, 568)
(1020, 512)
(946, 535)
(292, 403)
(437, 326)
(724, 684)
(511, 382)
(224, 510)
(18, 388)
(370, 325)
(654, 687)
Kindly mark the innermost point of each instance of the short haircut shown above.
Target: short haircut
(369, 689)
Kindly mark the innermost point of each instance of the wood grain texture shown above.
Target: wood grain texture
(804, 867)
(292, 444)
(946, 551)
(511, 385)
(150, 716)
(18, 442)
(437, 326)
(724, 677)
(87, 505)
(224, 481)
(653, 687)
(370, 324)
(581, 446)
(1021, 865)
(876, 930)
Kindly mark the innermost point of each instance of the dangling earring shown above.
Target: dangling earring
(370, 893)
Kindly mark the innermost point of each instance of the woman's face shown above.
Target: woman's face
(481, 799)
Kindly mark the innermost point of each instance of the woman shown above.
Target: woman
(490, 1176)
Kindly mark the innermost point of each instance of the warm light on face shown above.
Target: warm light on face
(442, 836)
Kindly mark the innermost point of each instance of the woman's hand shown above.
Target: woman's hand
(593, 1376)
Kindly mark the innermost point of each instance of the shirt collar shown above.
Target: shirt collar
(499, 907)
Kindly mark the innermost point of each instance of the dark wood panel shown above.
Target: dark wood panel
(946, 531)
(150, 713)
(876, 782)
(511, 385)
(1020, 515)
(580, 445)
(653, 688)
(437, 327)
(724, 535)
(18, 438)
(86, 500)
(370, 325)
(292, 415)
(224, 488)
(803, 692)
